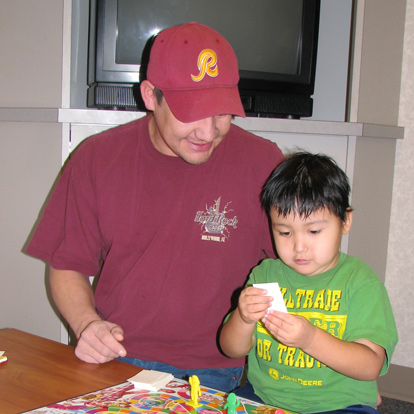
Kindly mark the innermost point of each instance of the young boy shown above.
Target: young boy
(339, 334)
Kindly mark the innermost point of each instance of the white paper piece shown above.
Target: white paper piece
(151, 380)
(2, 358)
(273, 290)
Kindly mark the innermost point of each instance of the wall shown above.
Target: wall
(376, 66)
(381, 93)
(400, 265)
(31, 38)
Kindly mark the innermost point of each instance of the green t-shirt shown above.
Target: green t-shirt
(348, 301)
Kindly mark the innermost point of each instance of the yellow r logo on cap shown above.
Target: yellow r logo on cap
(207, 65)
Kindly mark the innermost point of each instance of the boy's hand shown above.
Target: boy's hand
(253, 305)
(361, 359)
(237, 334)
(290, 330)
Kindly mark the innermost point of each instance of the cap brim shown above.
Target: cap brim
(193, 105)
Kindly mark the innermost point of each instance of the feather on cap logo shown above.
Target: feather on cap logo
(207, 65)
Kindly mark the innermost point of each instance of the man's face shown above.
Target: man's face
(194, 142)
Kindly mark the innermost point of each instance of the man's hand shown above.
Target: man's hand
(99, 342)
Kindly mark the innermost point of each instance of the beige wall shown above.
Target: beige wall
(400, 265)
(382, 91)
(30, 155)
(31, 39)
(29, 160)
(381, 65)
(378, 30)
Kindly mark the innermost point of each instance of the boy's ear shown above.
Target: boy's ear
(347, 224)
(148, 94)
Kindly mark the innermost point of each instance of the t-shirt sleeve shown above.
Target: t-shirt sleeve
(68, 236)
(370, 317)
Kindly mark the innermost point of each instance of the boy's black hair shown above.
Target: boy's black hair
(305, 183)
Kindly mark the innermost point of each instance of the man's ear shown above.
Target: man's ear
(148, 94)
(347, 224)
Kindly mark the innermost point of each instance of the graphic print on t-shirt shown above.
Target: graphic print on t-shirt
(215, 223)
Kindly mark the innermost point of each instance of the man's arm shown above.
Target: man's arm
(98, 341)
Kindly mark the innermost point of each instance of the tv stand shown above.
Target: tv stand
(276, 105)
(262, 105)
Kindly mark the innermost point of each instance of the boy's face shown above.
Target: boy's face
(309, 246)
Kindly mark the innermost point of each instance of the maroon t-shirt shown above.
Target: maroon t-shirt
(172, 241)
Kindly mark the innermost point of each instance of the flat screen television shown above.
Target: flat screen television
(275, 42)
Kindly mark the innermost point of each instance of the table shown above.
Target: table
(40, 372)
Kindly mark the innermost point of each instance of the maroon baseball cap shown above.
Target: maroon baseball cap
(197, 71)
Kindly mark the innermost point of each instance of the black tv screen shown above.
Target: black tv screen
(275, 42)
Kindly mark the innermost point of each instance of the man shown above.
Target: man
(166, 210)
